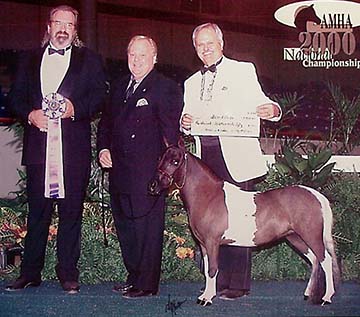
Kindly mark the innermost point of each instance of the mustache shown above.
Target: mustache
(62, 33)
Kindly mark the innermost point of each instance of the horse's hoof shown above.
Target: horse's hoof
(203, 302)
(306, 297)
(325, 302)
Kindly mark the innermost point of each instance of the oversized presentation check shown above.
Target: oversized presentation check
(246, 125)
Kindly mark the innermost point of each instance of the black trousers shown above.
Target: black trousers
(141, 238)
(69, 227)
(234, 262)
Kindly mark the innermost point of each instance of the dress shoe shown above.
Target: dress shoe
(136, 293)
(232, 294)
(71, 287)
(22, 283)
(122, 287)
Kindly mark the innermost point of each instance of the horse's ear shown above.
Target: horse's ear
(166, 142)
(181, 143)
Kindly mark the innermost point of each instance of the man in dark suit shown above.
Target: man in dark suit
(64, 66)
(143, 111)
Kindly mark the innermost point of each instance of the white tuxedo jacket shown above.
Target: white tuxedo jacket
(236, 90)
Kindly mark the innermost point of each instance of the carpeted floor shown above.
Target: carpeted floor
(266, 299)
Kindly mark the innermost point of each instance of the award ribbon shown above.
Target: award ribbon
(54, 106)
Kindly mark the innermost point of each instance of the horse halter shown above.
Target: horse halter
(171, 177)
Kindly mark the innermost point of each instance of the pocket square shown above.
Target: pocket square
(142, 102)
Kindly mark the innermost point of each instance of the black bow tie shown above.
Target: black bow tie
(211, 68)
(60, 51)
(53, 51)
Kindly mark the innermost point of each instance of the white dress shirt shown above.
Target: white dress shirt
(53, 69)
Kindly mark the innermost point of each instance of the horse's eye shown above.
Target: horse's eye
(175, 162)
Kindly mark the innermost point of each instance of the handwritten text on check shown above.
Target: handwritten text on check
(226, 125)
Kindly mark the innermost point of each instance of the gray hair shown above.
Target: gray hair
(76, 41)
(214, 27)
(147, 38)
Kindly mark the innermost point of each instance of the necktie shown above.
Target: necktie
(130, 90)
(55, 51)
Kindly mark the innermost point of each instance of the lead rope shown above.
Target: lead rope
(106, 243)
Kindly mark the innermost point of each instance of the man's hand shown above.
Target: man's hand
(105, 158)
(69, 110)
(186, 121)
(267, 111)
(38, 119)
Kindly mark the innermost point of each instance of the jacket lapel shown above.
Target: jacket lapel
(143, 87)
(35, 74)
(69, 81)
(123, 88)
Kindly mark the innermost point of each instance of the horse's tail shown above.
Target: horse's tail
(319, 286)
(336, 270)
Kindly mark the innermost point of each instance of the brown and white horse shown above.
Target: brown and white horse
(221, 213)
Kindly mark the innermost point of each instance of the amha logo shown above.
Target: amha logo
(325, 31)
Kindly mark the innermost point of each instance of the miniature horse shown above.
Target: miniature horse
(299, 214)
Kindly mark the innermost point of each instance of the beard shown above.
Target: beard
(62, 37)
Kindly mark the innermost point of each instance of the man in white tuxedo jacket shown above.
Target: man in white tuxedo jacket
(232, 87)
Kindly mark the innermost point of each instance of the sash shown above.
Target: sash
(54, 106)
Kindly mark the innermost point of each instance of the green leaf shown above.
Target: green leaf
(282, 169)
(317, 160)
(301, 165)
(324, 174)
(290, 155)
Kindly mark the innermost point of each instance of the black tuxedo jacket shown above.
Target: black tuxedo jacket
(134, 130)
(84, 84)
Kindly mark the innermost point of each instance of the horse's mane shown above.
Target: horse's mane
(212, 174)
(205, 167)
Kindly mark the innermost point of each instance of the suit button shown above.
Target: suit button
(133, 136)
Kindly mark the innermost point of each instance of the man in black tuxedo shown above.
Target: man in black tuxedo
(64, 66)
(144, 110)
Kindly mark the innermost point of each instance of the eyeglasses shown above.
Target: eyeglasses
(67, 25)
